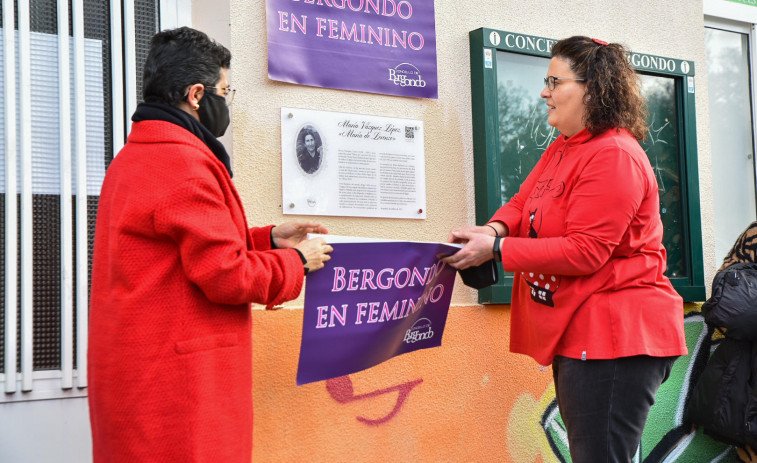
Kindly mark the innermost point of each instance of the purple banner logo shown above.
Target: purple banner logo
(377, 46)
(371, 302)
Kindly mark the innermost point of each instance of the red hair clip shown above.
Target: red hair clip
(601, 42)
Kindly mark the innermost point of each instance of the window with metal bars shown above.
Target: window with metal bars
(39, 147)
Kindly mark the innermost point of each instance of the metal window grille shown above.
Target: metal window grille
(70, 70)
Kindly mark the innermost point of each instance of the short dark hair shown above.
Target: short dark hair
(613, 89)
(179, 58)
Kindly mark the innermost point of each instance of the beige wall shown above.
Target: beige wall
(671, 28)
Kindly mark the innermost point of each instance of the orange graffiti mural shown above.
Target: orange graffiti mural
(470, 400)
(525, 435)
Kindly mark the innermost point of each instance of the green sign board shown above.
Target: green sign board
(510, 133)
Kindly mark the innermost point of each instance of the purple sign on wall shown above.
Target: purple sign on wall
(371, 302)
(378, 46)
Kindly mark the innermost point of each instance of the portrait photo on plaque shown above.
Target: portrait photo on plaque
(310, 150)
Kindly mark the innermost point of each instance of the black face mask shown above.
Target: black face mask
(214, 113)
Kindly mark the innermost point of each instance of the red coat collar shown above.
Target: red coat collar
(584, 135)
(581, 137)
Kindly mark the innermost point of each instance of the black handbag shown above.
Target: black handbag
(480, 276)
(733, 303)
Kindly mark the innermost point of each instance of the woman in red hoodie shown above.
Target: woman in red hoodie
(583, 237)
(174, 271)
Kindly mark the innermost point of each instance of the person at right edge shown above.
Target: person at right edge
(583, 236)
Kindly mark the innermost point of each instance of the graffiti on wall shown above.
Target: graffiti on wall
(535, 431)
(342, 391)
(667, 437)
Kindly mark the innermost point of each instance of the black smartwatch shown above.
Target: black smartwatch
(496, 249)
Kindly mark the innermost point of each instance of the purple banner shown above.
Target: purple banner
(371, 302)
(377, 46)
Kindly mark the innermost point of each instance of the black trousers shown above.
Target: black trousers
(605, 403)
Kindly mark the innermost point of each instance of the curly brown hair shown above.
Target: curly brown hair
(613, 89)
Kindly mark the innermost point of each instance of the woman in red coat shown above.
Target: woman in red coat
(583, 236)
(175, 268)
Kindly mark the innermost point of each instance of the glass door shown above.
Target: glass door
(731, 102)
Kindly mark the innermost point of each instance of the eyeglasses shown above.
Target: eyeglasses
(228, 93)
(551, 81)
